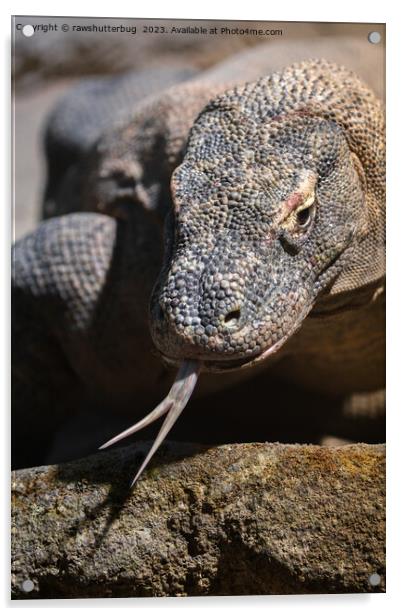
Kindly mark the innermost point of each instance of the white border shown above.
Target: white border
(340, 11)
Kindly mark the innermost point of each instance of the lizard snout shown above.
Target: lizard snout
(199, 318)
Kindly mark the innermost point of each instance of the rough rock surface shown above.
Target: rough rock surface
(235, 519)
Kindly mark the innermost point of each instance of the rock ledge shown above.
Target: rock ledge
(236, 519)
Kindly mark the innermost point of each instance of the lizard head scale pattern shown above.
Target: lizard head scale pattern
(272, 206)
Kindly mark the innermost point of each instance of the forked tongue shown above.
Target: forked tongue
(173, 405)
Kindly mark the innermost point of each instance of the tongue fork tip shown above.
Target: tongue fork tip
(173, 405)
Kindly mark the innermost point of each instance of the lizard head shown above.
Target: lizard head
(270, 213)
(268, 203)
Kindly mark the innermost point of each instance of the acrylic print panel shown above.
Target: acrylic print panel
(199, 230)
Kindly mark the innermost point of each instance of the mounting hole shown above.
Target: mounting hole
(28, 30)
(27, 585)
(374, 37)
(374, 579)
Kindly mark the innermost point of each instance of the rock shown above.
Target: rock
(229, 520)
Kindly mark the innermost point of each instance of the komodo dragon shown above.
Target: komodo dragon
(274, 251)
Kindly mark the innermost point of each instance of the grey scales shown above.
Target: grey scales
(226, 227)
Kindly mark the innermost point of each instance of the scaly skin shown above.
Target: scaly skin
(277, 225)
(131, 166)
(279, 202)
(90, 108)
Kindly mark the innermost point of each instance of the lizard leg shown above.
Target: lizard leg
(80, 293)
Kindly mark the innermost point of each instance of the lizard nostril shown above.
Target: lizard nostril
(232, 318)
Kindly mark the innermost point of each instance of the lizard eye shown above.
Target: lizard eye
(296, 227)
(304, 217)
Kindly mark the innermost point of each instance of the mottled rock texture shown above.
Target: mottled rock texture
(235, 519)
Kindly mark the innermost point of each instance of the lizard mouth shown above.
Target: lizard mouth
(228, 365)
(241, 364)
